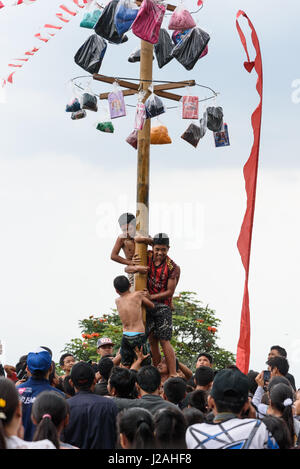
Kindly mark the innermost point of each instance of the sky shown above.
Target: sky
(63, 184)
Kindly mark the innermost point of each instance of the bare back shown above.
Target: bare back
(129, 308)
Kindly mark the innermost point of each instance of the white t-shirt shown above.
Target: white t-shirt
(14, 442)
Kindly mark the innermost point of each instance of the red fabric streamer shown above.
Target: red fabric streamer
(250, 176)
(10, 77)
(1, 5)
(61, 17)
(41, 38)
(63, 7)
(52, 26)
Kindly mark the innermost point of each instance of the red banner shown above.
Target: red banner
(250, 175)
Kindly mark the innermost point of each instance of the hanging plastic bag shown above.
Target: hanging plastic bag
(140, 114)
(181, 19)
(159, 135)
(116, 102)
(147, 24)
(78, 115)
(135, 56)
(91, 16)
(222, 137)
(73, 106)
(104, 123)
(190, 107)
(89, 102)
(91, 53)
(105, 26)
(132, 139)
(154, 106)
(214, 118)
(192, 135)
(189, 50)
(203, 125)
(178, 36)
(126, 12)
(106, 127)
(163, 48)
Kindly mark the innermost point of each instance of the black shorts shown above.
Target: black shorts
(159, 322)
(128, 344)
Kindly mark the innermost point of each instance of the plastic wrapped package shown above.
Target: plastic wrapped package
(178, 36)
(73, 106)
(181, 19)
(116, 102)
(78, 115)
(89, 102)
(192, 135)
(189, 50)
(91, 16)
(148, 22)
(90, 55)
(105, 26)
(203, 125)
(214, 118)
(106, 127)
(140, 116)
(190, 107)
(163, 48)
(222, 137)
(132, 139)
(135, 56)
(126, 12)
(159, 135)
(154, 106)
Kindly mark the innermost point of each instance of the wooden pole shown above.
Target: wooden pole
(143, 164)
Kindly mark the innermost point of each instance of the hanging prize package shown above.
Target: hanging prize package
(190, 107)
(140, 116)
(116, 103)
(192, 135)
(91, 16)
(132, 139)
(214, 118)
(222, 137)
(135, 56)
(73, 106)
(163, 48)
(147, 24)
(105, 127)
(159, 135)
(91, 53)
(89, 102)
(181, 19)
(105, 26)
(154, 106)
(78, 115)
(178, 36)
(126, 12)
(203, 125)
(189, 50)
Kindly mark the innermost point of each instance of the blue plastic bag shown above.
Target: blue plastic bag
(126, 12)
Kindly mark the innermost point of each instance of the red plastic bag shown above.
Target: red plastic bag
(190, 107)
(147, 24)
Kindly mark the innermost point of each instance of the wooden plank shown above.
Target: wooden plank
(173, 86)
(165, 94)
(125, 93)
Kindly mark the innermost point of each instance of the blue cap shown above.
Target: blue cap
(39, 361)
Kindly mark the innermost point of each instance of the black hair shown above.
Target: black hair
(170, 427)
(123, 381)
(204, 375)
(161, 239)
(279, 394)
(62, 358)
(148, 378)
(67, 387)
(126, 218)
(40, 374)
(198, 399)
(280, 363)
(252, 383)
(21, 367)
(193, 415)
(175, 389)
(47, 349)
(121, 283)
(278, 380)
(105, 366)
(49, 410)
(279, 430)
(9, 403)
(138, 427)
(207, 355)
(280, 350)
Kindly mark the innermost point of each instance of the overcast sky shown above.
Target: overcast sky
(63, 184)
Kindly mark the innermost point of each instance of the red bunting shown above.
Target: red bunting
(250, 175)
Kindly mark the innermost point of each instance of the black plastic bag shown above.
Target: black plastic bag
(78, 115)
(214, 118)
(91, 53)
(163, 48)
(189, 50)
(105, 26)
(89, 102)
(154, 106)
(192, 135)
(135, 56)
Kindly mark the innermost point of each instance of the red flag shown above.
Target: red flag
(250, 175)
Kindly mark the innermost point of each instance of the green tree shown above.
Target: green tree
(194, 330)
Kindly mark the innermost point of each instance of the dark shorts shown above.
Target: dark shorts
(159, 322)
(128, 344)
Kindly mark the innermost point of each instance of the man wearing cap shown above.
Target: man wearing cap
(39, 367)
(231, 427)
(105, 347)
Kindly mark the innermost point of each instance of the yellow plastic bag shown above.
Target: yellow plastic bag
(159, 135)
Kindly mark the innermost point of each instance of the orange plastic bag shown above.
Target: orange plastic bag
(159, 135)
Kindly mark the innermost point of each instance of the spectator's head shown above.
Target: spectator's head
(277, 351)
(135, 428)
(121, 284)
(278, 380)
(161, 244)
(105, 346)
(252, 383)
(68, 389)
(204, 359)
(278, 366)
(229, 392)
(193, 415)
(66, 362)
(198, 400)
(204, 377)
(281, 401)
(148, 379)
(127, 222)
(39, 364)
(279, 429)
(170, 427)
(50, 412)
(105, 365)
(121, 382)
(21, 367)
(174, 390)
(10, 410)
(83, 376)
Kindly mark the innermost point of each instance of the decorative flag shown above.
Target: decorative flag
(250, 175)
